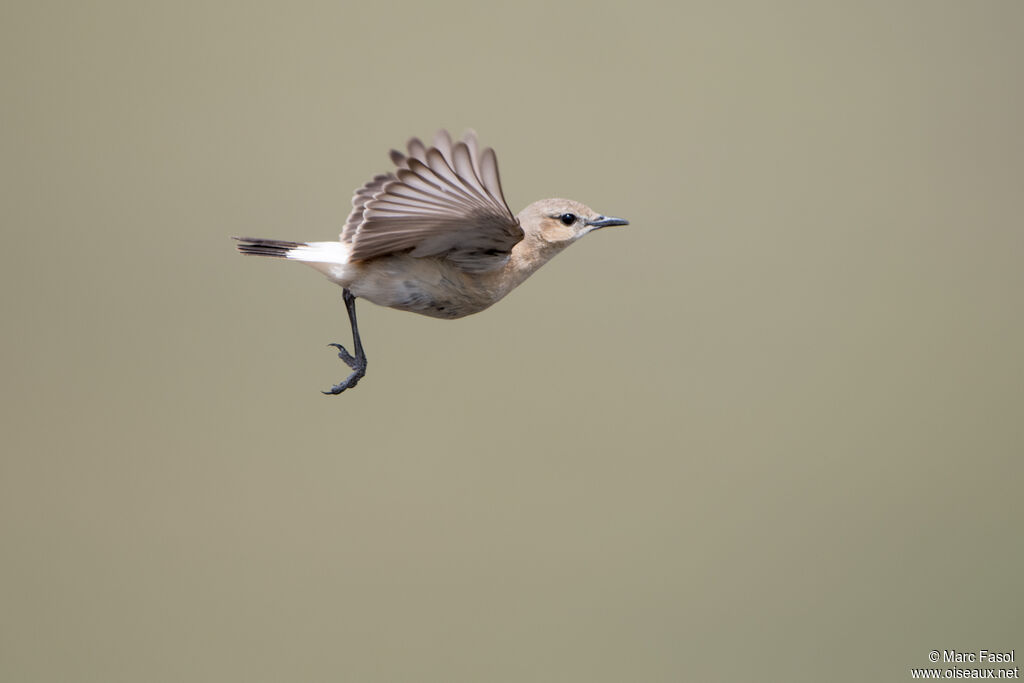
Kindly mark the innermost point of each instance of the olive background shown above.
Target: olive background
(772, 430)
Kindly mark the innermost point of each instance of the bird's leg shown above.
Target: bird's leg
(357, 362)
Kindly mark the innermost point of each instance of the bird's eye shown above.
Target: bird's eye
(567, 218)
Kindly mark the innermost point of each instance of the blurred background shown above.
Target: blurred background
(772, 430)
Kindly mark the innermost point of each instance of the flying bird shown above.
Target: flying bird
(436, 237)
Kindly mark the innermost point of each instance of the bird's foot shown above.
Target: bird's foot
(358, 365)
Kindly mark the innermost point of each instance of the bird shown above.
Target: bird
(435, 236)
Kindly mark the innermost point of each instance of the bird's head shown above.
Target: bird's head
(560, 222)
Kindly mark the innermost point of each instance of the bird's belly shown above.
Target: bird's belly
(422, 286)
(436, 304)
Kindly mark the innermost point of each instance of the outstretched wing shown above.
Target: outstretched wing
(444, 200)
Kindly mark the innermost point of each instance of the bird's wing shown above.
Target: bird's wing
(444, 200)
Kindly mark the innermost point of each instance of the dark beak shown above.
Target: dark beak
(605, 221)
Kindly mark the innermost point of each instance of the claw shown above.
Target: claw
(358, 366)
(347, 383)
(344, 355)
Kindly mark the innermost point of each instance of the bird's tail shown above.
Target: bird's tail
(330, 258)
(255, 246)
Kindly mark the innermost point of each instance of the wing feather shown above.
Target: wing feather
(417, 150)
(443, 142)
(359, 200)
(444, 200)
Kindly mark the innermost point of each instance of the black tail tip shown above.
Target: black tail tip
(256, 246)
